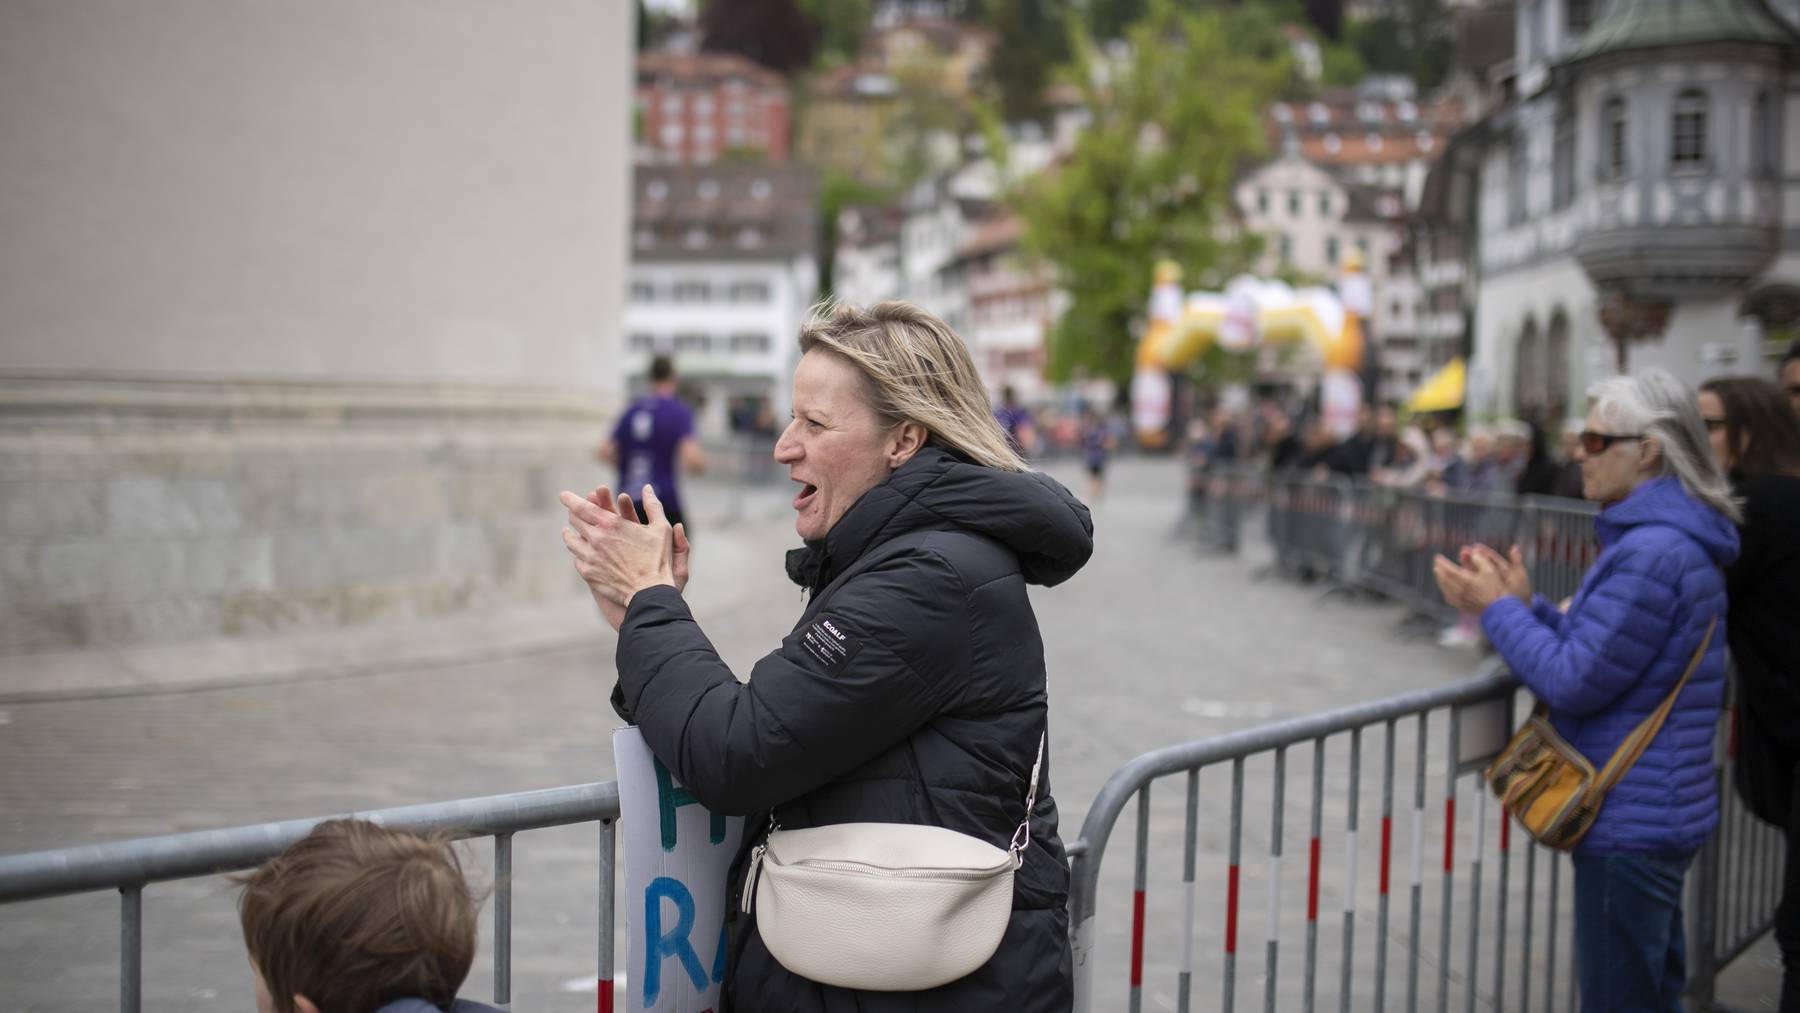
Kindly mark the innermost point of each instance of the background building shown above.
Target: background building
(1633, 197)
(693, 108)
(724, 270)
(306, 314)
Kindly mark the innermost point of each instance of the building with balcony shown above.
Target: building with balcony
(724, 271)
(693, 108)
(1632, 202)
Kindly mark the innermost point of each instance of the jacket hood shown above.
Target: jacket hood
(1663, 501)
(1029, 512)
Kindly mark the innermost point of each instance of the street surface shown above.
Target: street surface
(1153, 643)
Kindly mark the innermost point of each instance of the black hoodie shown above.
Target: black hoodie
(911, 691)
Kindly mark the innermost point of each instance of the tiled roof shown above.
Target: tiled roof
(705, 69)
(724, 211)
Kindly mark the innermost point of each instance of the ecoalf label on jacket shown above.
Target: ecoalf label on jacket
(829, 645)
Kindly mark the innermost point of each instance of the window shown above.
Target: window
(671, 134)
(692, 291)
(1262, 202)
(749, 237)
(1333, 144)
(703, 105)
(641, 342)
(760, 189)
(1763, 132)
(1687, 146)
(1580, 15)
(750, 291)
(656, 190)
(708, 189)
(750, 341)
(643, 291)
(1535, 49)
(1614, 139)
(643, 239)
(1287, 249)
(1331, 250)
(696, 237)
(1372, 141)
(1425, 141)
(1562, 167)
(1517, 178)
(671, 105)
(1319, 113)
(1294, 203)
(1325, 204)
(693, 341)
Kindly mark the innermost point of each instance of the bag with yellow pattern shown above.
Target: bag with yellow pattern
(1553, 789)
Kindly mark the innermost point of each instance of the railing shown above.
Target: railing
(1479, 950)
(1731, 902)
(1358, 534)
(129, 866)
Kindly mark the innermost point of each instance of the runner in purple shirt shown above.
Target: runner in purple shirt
(653, 437)
(1015, 419)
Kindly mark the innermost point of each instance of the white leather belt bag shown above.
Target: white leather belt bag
(884, 907)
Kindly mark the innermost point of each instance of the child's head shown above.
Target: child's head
(353, 916)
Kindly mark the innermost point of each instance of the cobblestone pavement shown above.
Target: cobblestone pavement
(1151, 644)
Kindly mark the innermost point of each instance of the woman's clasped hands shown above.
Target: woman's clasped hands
(617, 556)
(1483, 577)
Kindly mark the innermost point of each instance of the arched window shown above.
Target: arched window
(1687, 143)
(1614, 139)
(1528, 372)
(1557, 370)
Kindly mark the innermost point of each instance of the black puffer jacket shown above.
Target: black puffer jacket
(913, 691)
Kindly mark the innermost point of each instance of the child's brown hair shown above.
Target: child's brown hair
(355, 915)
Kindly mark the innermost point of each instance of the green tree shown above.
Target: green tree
(841, 26)
(1415, 39)
(1151, 176)
(1032, 44)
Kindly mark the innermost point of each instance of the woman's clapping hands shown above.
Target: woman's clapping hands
(618, 557)
(1483, 577)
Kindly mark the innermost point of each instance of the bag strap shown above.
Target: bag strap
(1022, 836)
(1639, 739)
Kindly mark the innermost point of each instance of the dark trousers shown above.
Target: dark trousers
(1787, 914)
(1630, 944)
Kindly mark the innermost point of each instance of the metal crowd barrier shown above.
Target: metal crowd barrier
(1504, 946)
(1384, 540)
(129, 866)
(1229, 492)
(1732, 888)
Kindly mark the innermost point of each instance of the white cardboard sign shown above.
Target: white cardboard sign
(677, 857)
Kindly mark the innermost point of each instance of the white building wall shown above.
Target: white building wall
(304, 189)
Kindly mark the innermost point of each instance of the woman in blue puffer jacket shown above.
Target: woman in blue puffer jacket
(1641, 615)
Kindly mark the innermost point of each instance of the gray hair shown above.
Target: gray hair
(1655, 404)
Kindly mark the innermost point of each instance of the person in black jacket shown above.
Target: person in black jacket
(1756, 438)
(912, 690)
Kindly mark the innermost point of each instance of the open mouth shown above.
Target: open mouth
(807, 492)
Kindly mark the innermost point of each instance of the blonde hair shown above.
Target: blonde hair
(917, 370)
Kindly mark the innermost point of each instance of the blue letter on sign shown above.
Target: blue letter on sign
(673, 944)
(670, 798)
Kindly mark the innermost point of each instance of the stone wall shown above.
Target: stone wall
(136, 511)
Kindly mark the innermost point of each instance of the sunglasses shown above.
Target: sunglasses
(1597, 443)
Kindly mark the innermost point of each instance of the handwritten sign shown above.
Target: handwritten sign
(677, 857)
